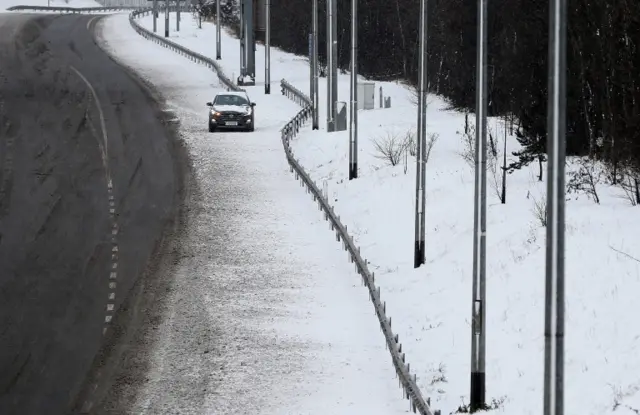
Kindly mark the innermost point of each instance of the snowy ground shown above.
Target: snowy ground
(431, 306)
(267, 316)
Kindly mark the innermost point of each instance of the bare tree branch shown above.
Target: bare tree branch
(625, 254)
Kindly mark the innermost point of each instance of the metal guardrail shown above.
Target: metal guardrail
(71, 10)
(194, 56)
(288, 132)
(293, 126)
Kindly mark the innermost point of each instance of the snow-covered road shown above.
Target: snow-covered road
(266, 315)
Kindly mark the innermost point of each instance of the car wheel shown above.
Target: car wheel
(250, 129)
(211, 128)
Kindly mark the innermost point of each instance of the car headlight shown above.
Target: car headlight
(215, 113)
(248, 111)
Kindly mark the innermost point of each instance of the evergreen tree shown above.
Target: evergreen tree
(603, 50)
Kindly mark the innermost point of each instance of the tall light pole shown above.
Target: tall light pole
(314, 67)
(242, 43)
(334, 58)
(419, 248)
(478, 307)
(332, 64)
(250, 40)
(166, 18)
(267, 47)
(155, 15)
(218, 40)
(556, 148)
(178, 15)
(353, 127)
(329, 36)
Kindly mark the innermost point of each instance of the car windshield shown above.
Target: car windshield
(230, 100)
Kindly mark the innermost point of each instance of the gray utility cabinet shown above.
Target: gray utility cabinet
(366, 95)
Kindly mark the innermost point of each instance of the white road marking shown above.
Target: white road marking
(104, 150)
(105, 142)
(90, 22)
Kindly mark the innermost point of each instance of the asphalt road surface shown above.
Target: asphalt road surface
(88, 182)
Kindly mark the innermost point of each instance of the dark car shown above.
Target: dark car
(231, 110)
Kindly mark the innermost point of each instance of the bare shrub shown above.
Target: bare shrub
(585, 179)
(415, 96)
(631, 187)
(411, 146)
(496, 403)
(619, 396)
(440, 376)
(629, 181)
(389, 148)
(492, 145)
(431, 141)
(498, 176)
(495, 178)
(540, 210)
(411, 143)
(468, 152)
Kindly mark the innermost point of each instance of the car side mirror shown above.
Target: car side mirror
(209, 104)
(253, 104)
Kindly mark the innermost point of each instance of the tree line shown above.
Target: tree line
(603, 91)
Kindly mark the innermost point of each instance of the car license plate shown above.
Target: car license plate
(231, 123)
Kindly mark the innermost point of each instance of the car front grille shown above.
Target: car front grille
(231, 116)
